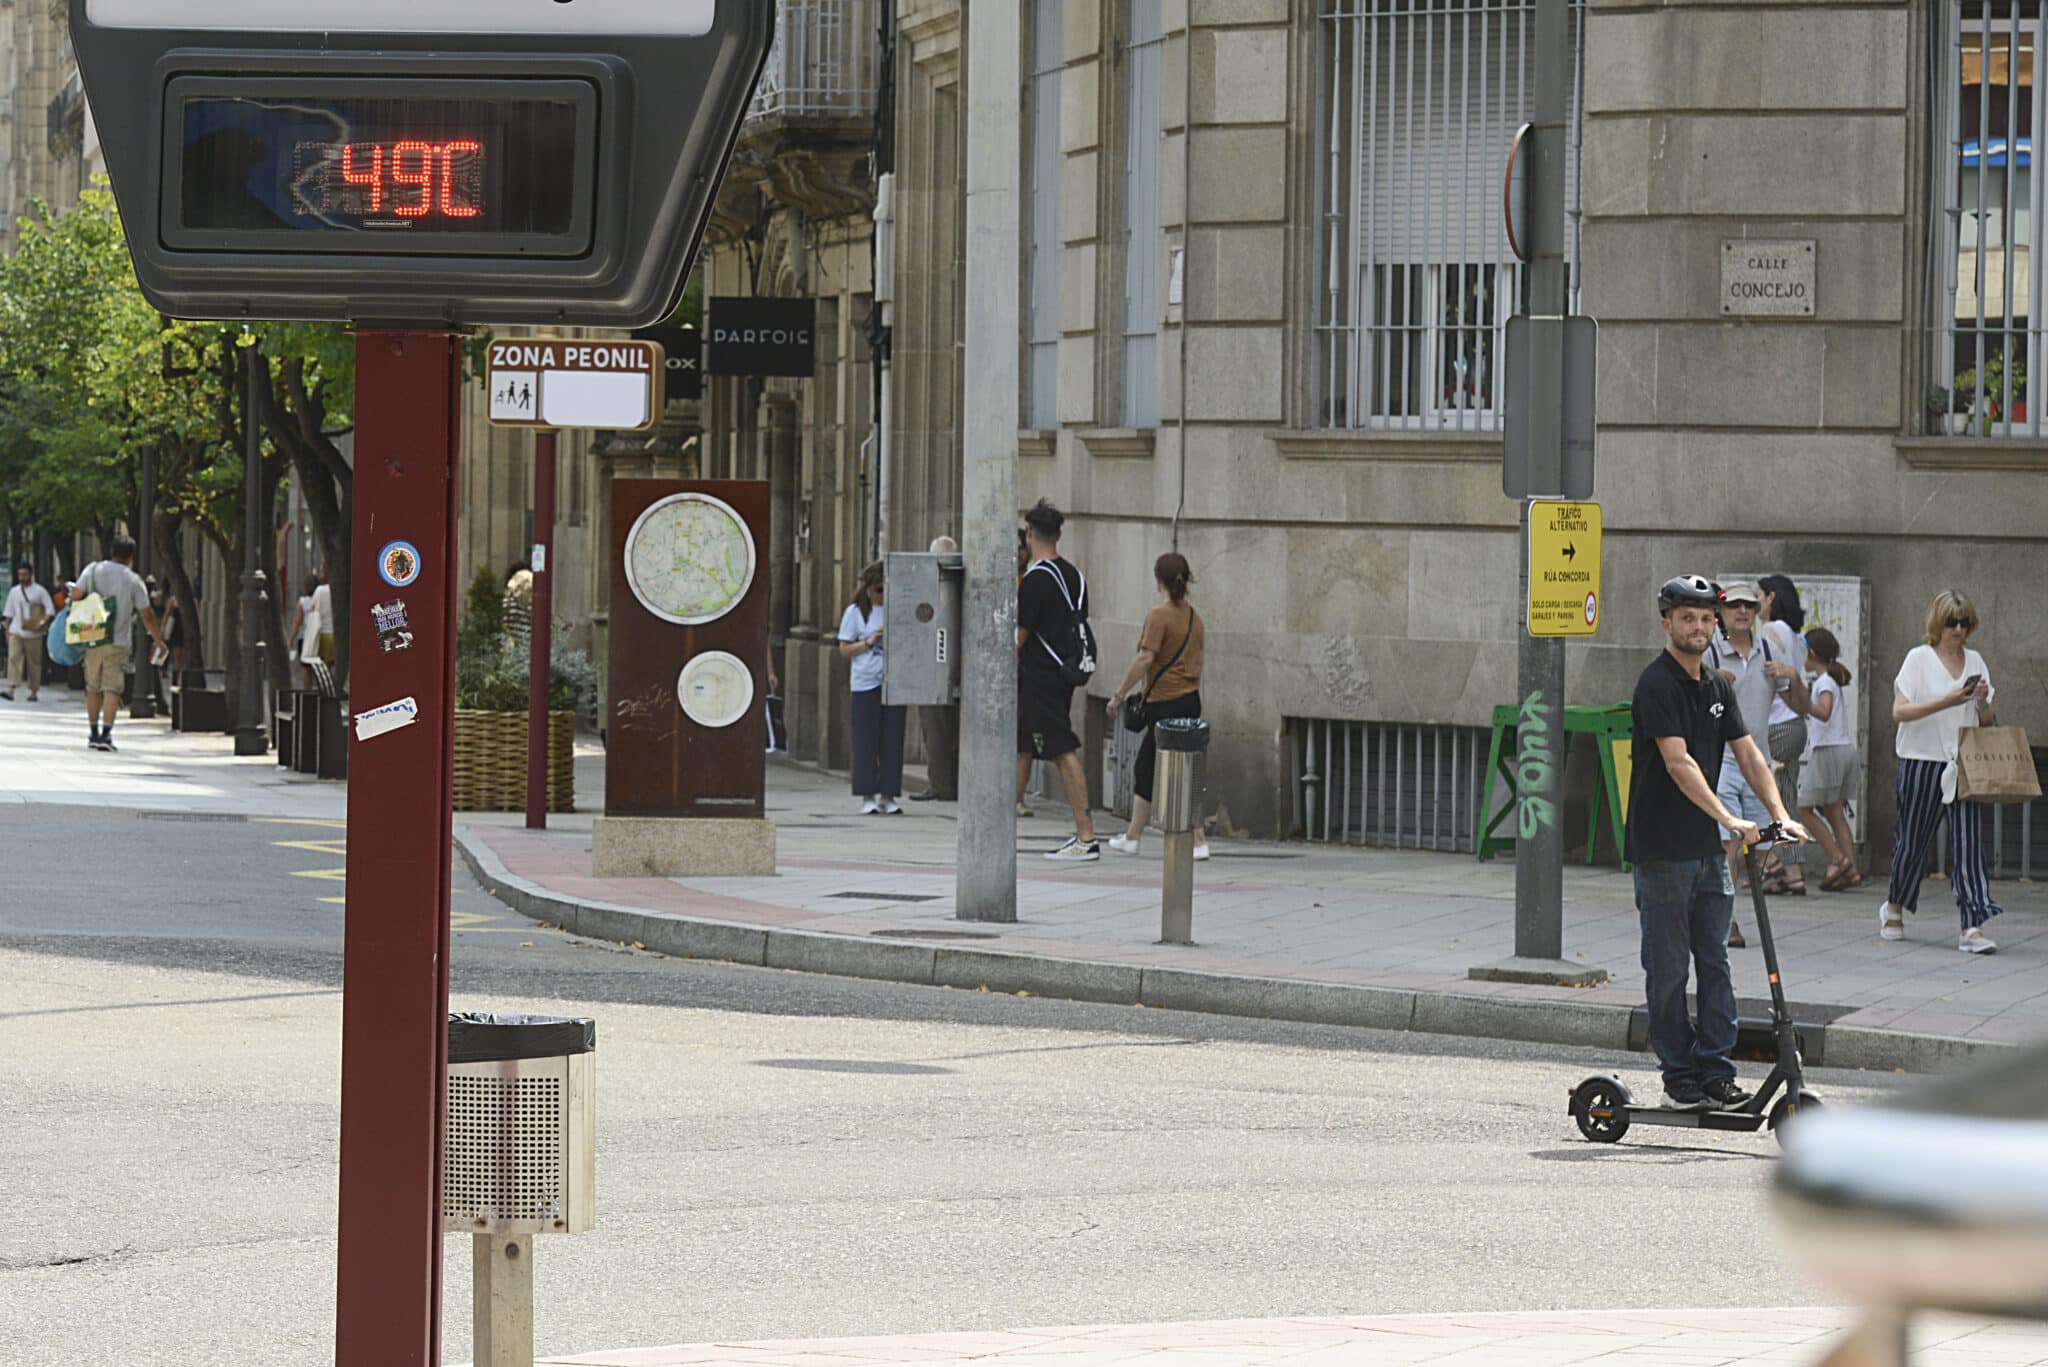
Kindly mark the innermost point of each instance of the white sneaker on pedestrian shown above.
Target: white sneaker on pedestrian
(1887, 928)
(889, 807)
(1201, 851)
(870, 808)
(1076, 851)
(1972, 941)
(1122, 845)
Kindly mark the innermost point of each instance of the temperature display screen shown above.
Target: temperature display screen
(446, 167)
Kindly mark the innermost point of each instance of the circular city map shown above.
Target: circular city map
(689, 558)
(716, 689)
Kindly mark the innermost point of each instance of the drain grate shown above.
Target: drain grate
(188, 816)
(887, 896)
(914, 934)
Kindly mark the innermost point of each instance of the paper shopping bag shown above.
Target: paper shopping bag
(87, 625)
(1994, 764)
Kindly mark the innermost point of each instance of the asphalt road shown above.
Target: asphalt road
(781, 1155)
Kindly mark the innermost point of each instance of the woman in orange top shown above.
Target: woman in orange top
(1169, 663)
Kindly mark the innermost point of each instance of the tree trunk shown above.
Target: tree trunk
(172, 557)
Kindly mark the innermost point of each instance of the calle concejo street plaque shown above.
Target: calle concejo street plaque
(1767, 277)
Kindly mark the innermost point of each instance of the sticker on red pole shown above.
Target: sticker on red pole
(562, 382)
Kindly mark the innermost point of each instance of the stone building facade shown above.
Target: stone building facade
(1264, 283)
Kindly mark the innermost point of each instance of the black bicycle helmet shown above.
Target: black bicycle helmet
(1688, 590)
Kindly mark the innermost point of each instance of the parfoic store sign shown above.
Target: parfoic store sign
(749, 336)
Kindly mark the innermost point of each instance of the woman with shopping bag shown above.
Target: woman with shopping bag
(1942, 690)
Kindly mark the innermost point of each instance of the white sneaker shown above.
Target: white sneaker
(1076, 852)
(1888, 929)
(1201, 852)
(1123, 846)
(870, 807)
(1972, 941)
(889, 807)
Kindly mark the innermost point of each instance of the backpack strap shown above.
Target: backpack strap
(1068, 598)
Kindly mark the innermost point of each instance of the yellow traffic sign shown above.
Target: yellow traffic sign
(1564, 568)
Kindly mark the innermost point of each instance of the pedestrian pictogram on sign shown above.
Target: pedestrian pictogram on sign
(1564, 568)
(563, 382)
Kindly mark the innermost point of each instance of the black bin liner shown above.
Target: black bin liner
(1181, 733)
(480, 1037)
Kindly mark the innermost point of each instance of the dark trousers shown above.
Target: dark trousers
(1918, 788)
(941, 728)
(1148, 753)
(877, 745)
(1685, 905)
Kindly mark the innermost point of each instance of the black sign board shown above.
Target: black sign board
(684, 347)
(751, 336)
(401, 164)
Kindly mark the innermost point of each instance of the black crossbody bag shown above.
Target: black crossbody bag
(1134, 717)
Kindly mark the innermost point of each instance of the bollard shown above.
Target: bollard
(521, 1158)
(1183, 754)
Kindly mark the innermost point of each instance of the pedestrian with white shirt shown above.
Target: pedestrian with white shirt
(1779, 620)
(27, 613)
(1942, 688)
(1745, 658)
(1827, 782)
(877, 730)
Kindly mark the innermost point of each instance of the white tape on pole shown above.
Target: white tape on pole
(669, 18)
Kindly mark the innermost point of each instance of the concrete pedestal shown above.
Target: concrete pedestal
(682, 847)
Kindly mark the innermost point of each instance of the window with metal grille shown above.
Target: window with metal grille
(1982, 298)
(1400, 784)
(1142, 136)
(1042, 265)
(1418, 104)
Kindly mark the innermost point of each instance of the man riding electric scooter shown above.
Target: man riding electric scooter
(1683, 716)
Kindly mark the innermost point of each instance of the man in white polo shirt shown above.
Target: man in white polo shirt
(28, 613)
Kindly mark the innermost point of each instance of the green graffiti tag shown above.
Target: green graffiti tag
(1535, 767)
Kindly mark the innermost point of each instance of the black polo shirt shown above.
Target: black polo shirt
(1663, 823)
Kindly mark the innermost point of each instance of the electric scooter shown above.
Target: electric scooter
(1604, 1108)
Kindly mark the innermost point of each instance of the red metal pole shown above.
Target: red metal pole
(394, 1020)
(540, 659)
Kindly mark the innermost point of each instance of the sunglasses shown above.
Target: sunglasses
(1964, 622)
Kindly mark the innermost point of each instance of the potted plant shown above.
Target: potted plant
(1938, 405)
(491, 672)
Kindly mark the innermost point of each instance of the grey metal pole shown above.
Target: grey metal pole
(1539, 674)
(142, 705)
(986, 881)
(249, 736)
(1539, 861)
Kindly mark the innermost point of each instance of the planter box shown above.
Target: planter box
(490, 761)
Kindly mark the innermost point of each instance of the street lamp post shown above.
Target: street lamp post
(249, 736)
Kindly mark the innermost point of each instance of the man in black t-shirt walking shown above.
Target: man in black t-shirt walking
(1683, 716)
(1048, 596)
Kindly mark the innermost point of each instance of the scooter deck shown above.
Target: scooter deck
(1747, 1121)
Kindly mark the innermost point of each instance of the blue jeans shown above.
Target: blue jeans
(1685, 905)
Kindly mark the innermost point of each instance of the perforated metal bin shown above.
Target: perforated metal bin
(522, 1121)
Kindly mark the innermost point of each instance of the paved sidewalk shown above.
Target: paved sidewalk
(1297, 931)
(1356, 936)
(1669, 1338)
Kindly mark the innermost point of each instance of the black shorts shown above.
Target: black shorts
(1045, 702)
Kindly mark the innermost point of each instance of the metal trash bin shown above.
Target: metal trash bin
(1178, 782)
(1182, 769)
(520, 1159)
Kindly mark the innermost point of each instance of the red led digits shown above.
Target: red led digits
(424, 177)
(448, 204)
(429, 168)
(374, 177)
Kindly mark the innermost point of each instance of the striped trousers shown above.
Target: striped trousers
(1918, 786)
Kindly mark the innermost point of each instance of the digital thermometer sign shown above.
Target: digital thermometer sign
(489, 167)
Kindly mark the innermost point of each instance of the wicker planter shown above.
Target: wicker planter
(490, 761)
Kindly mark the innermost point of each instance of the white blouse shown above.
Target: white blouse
(1923, 678)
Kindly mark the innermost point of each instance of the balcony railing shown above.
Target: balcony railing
(826, 60)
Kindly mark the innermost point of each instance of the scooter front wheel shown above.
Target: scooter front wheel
(1788, 1109)
(1600, 1106)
